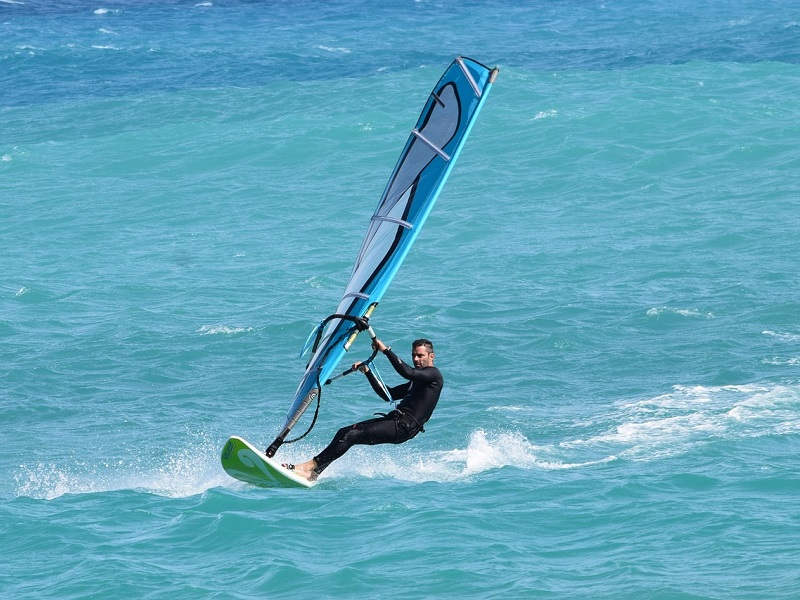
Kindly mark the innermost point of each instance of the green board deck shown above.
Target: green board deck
(245, 462)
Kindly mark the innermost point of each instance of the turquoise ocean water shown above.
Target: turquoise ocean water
(610, 277)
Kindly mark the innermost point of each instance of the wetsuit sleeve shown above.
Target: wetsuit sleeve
(406, 372)
(397, 391)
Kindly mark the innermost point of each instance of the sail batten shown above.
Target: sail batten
(468, 75)
(431, 145)
(400, 222)
(356, 295)
(428, 156)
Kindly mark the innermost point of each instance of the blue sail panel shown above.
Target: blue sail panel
(418, 177)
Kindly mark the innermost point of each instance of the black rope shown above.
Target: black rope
(319, 395)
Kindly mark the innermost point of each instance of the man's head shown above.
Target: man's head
(422, 353)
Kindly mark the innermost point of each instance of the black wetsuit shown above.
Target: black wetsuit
(418, 398)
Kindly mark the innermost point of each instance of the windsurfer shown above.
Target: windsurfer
(418, 398)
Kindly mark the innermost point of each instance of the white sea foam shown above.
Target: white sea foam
(545, 114)
(683, 312)
(512, 408)
(691, 415)
(191, 471)
(485, 451)
(650, 428)
(222, 330)
(334, 50)
(777, 361)
(652, 433)
(314, 282)
(786, 337)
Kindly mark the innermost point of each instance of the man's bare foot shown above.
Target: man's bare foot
(306, 470)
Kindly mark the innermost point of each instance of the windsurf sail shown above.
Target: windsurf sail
(428, 157)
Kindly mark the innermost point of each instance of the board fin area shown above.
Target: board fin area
(243, 461)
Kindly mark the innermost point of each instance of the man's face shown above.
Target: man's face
(421, 357)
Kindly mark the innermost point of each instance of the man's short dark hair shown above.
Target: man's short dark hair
(423, 342)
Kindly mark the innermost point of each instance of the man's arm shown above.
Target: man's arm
(396, 392)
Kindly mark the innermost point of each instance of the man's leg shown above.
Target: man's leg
(382, 430)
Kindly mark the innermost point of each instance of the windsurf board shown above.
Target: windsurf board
(245, 462)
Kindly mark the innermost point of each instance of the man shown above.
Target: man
(418, 398)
